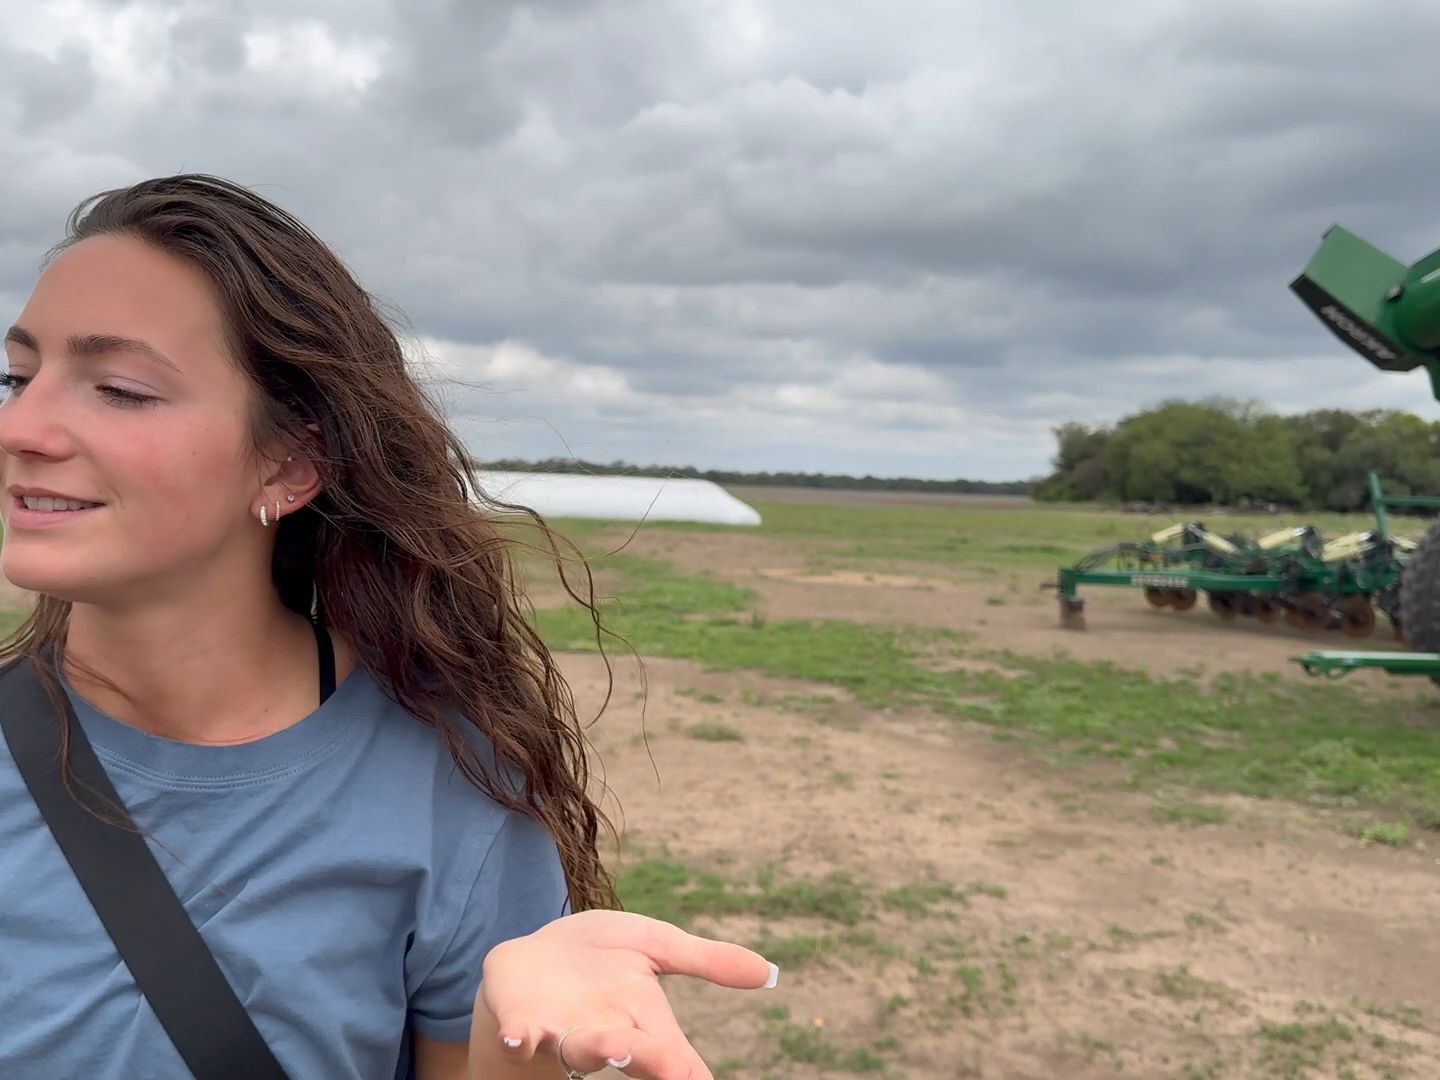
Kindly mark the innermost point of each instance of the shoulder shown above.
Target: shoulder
(409, 750)
(466, 831)
(492, 873)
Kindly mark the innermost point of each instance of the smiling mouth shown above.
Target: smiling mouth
(55, 506)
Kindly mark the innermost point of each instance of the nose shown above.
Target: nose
(33, 422)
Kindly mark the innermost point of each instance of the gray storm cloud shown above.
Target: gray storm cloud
(905, 237)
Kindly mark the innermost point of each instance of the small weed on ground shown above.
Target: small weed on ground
(713, 732)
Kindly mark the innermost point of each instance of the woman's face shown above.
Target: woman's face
(123, 398)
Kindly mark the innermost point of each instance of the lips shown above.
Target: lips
(33, 508)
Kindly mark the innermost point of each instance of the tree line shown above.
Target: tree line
(837, 481)
(1223, 452)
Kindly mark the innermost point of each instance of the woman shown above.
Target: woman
(210, 436)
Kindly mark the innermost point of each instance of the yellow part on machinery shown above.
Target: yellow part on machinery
(1347, 546)
(1166, 535)
(1218, 543)
(1270, 541)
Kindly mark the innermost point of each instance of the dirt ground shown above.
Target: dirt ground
(1088, 941)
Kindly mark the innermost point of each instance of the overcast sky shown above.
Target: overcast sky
(866, 236)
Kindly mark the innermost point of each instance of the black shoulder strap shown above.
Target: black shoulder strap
(151, 929)
(326, 650)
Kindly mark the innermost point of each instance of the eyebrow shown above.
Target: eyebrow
(95, 345)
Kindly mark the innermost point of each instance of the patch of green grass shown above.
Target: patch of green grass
(1291, 1050)
(708, 731)
(1390, 833)
(1214, 1069)
(670, 890)
(1196, 921)
(972, 996)
(918, 900)
(1405, 1015)
(1257, 735)
(1184, 812)
(796, 950)
(1090, 1046)
(708, 697)
(805, 703)
(1180, 983)
(811, 1045)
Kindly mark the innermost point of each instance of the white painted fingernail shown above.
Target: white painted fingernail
(513, 1043)
(621, 1063)
(774, 978)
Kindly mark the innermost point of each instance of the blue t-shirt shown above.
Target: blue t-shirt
(347, 876)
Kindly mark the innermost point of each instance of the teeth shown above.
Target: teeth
(32, 503)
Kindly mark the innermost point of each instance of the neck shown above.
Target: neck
(202, 669)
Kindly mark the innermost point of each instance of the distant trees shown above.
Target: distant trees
(838, 481)
(1223, 451)
(1214, 451)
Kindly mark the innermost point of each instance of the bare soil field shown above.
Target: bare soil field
(946, 902)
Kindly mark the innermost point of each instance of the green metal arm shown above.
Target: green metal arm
(1338, 664)
(1381, 503)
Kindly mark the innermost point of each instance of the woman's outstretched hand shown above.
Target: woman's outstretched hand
(595, 975)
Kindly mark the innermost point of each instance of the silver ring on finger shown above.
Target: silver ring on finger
(570, 1073)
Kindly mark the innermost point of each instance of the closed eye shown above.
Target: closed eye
(126, 398)
(116, 395)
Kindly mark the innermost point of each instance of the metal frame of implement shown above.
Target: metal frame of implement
(1318, 586)
(1336, 664)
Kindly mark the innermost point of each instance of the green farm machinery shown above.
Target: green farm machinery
(1292, 574)
(1390, 314)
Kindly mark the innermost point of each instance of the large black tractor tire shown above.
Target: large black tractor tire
(1420, 595)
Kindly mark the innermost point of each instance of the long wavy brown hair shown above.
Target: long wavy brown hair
(402, 551)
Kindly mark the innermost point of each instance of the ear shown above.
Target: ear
(293, 482)
(290, 477)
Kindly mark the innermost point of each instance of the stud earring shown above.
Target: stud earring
(290, 498)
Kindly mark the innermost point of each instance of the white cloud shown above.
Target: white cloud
(307, 55)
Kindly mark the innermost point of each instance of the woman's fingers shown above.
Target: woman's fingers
(643, 1041)
(636, 1053)
(514, 1035)
(678, 952)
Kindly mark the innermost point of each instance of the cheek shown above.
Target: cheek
(190, 470)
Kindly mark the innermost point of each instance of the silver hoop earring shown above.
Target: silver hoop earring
(263, 519)
(277, 509)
